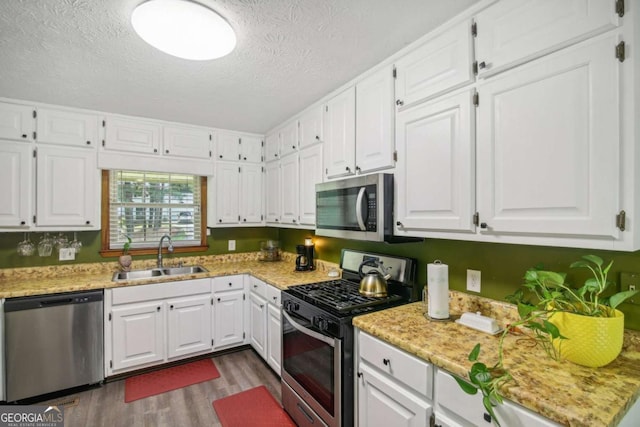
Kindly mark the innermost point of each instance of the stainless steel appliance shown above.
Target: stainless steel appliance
(356, 208)
(317, 337)
(53, 342)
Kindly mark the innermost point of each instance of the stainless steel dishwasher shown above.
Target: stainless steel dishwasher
(53, 342)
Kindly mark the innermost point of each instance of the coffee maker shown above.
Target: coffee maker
(304, 260)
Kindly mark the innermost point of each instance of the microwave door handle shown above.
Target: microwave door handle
(308, 331)
(359, 209)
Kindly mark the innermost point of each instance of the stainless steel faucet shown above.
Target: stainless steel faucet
(169, 248)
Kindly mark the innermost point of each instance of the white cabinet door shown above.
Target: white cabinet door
(274, 338)
(310, 175)
(251, 194)
(310, 128)
(289, 138)
(436, 163)
(138, 335)
(67, 128)
(289, 175)
(340, 134)
(274, 192)
(515, 31)
(227, 206)
(548, 152)
(251, 149)
(188, 325)
(17, 122)
(67, 183)
(374, 122)
(227, 146)
(383, 403)
(272, 146)
(258, 327)
(130, 135)
(229, 319)
(17, 189)
(184, 141)
(442, 63)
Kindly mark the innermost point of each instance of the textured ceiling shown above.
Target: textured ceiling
(84, 53)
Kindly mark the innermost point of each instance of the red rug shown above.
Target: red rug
(168, 379)
(254, 408)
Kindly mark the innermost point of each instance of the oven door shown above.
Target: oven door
(312, 366)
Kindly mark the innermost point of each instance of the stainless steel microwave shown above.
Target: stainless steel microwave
(359, 208)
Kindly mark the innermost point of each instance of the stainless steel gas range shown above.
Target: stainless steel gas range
(317, 343)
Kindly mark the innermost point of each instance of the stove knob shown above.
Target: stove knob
(321, 323)
(296, 306)
(287, 305)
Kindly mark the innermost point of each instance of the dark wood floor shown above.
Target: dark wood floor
(189, 406)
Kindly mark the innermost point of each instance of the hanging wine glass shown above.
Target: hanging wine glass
(76, 244)
(45, 246)
(26, 247)
(60, 241)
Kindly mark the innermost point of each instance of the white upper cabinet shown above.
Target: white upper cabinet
(68, 187)
(549, 145)
(186, 141)
(132, 135)
(310, 174)
(227, 146)
(273, 184)
(435, 173)
(442, 63)
(515, 31)
(251, 149)
(272, 146)
(289, 138)
(310, 127)
(16, 190)
(339, 133)
(289, 175)
(17, 122)
(67, 128)
(374, 122)
(227, 193)
(251, 194)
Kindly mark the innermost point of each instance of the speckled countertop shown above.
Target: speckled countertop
(562, 391)
(16, 282)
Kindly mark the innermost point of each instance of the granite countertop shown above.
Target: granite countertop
(19, 282)
(562, 391)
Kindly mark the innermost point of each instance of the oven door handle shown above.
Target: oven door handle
(308, 331)
(359, 216)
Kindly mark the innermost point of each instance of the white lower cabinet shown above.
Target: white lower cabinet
(228, 311)
(393, 387)
(455, 408)
(265, 330)
(148, 325)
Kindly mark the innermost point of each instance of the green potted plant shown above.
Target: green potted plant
(580, 325)
(125, 259)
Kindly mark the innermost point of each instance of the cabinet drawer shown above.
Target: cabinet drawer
(415, 373)
(273, 295)
(258, 287)
(228, 283)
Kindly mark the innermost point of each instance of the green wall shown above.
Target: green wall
(502, 265)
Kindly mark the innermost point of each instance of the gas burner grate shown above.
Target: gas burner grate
(339, 295)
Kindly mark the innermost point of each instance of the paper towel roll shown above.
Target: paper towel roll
(438, 290)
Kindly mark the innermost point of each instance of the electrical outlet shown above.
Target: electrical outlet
(208, 232)
(67, 254)
(232, 245)
(630, 282)
(473, 280)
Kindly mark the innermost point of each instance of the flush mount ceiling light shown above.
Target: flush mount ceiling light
(184, 29)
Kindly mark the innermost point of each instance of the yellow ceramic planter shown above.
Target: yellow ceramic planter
(591, 341)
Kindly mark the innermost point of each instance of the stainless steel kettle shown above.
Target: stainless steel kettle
(373, 283)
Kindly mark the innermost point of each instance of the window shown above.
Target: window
(144, 206)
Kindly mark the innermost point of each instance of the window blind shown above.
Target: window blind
(147, 205)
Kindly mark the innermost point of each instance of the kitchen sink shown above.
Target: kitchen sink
(184, 270)
(157, 272)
